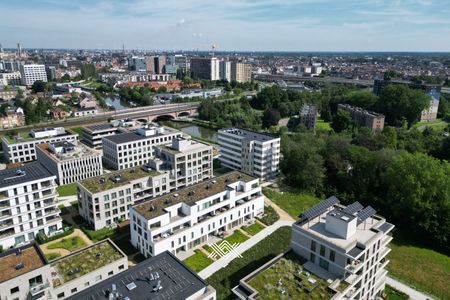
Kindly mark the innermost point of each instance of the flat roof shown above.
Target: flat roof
(79, 151)
(21, 138)
(22, 174)
(249, 134)
(102, 126)
(189, 195)
(177, 281)
(16, 262)
(105, 182)
(134, 136)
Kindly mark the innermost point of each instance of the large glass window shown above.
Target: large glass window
(322, 250)
(313, 246)
(323, 263)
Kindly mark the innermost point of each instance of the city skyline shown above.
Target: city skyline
(231, 25)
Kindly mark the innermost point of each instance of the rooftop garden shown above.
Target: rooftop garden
(168, 149)
(104, 182)
(287, 279)
(70, 244)
(294, 203)
(86, 261)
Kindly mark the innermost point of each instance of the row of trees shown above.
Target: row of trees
(141, 95)
(402, 173)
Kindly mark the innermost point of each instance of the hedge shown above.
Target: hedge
(42, 238)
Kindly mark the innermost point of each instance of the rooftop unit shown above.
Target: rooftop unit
(47, 132)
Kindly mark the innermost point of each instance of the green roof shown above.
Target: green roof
(104, 182)
(169, 149)
(190, 195)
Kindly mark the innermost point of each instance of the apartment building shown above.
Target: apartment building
(225, 70)
(130, 149)
(21, 147)
(190, 217)
(362, 117)
(160, 277)
(189, 162)
(93, 134)
(256, 154)
(28, 274)
(241, 72)
(205, 68)
(10, 78)
(31, 73)
(69, 162)
(308, 115)
(28, 204)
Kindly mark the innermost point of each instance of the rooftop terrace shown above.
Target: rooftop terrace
(79, 151)
(26, 137)
(190, 195)
(105, 182)
(84, 261)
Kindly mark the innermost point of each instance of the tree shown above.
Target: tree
(162, 89)
(65, 78)
(362, 99)
(270, 117)
(88, 71)
(341, 121)
(38, 86)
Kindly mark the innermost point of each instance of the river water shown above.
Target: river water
(194, 130)
(115, 102)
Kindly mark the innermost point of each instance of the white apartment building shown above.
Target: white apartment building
(69, 162)
(347, 244)
(10, 78)
(32, 73)
(21, 148)
(256, 154)
(130, 149)
(93, 134)
(187, 161)
(28, 204)
(189, 217)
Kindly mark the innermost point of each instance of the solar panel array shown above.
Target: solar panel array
(352, 208)
(365, 213)
(319, 209)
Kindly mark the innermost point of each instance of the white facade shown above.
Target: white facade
(254, 153)
(22, 148)
(346, 248)
(70, 162)
(11, 78)
(189, 217)
(28, 204)
(132, 149)
(32, 73)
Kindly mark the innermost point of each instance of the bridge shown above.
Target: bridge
(293, 78)
(151, 113)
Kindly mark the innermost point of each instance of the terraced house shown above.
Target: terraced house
(189, 217)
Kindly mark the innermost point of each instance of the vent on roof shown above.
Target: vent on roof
(152, 208)
(19, 266)
(116, 178)
(227, 180)
(207, 186)
(20, 172)
(102, 180)
(175, 195)
(167, 201)
(191, 193)
(214, 181)
(132, 171)
(131, 286)
(18, 251)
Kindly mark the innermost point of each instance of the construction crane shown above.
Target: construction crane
(213, 48)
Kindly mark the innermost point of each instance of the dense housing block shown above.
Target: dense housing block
(28, 204)
(362, 117)
(253, 153)
(189, 217)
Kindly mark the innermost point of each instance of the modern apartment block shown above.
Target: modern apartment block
(32, 73)
(10, 78)
(93, 134)
(160, 277)
(28, 204)
(189, 217)
(130, 149)
(241, 72)
(188, 162)
(225, 70)
(256, 154)
(69, 162)
(28, 275)
(21, 148)
(205, 68)
(308, 115)
(362, 117)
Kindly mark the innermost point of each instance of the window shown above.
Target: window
(60, 295)
(323, 263)
(98, 278)
(322, 250)
(313, 257)
(110, 273)
(74, 290)
(14, 290)
(121, 267)
(86, 284)
(313, 246)
(332, 255)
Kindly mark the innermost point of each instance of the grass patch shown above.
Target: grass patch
(253, 229)
(228, 277)
(52, 256)
(270, 216)
(70, 244)
(321, 124)
(419, 266)
(67, 189)
(101, 234)
(236, 237)
(394, 294)
(294, 203)
(198, 261)
(79, 131)
(125, 245)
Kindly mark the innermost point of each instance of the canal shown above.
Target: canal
(193, 129)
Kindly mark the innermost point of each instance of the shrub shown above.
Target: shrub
(270, 216)
(42, 238)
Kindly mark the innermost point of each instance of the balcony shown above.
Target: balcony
(53, 219)
(5, 214)
(4, 203)
(6, 224)
(4, 195)
(6, 233)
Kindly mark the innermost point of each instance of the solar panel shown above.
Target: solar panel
(352, 208)
(319, 208)
(365, 213)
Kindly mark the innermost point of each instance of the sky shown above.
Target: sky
(250, 25)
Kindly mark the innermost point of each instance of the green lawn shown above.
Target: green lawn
(294, 203)
(253, 229)
(71, 243)
(52, 256)
(125, 245)
(67, 189)
(393, 294)
(236, 237)
(228, 277)
(101, 234)
(270, 216)
(419, 266)
(198, 261)
(321, 124)
(78, 130)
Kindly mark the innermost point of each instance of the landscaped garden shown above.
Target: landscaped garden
(52, 256)
(228, 277)
(426, 269)
(198, 261)
(294, 203)
(70, 244)
(253, 229)
(394, 294)
(236, 237)
(270, 216)
(67, 189)
(98, 235)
